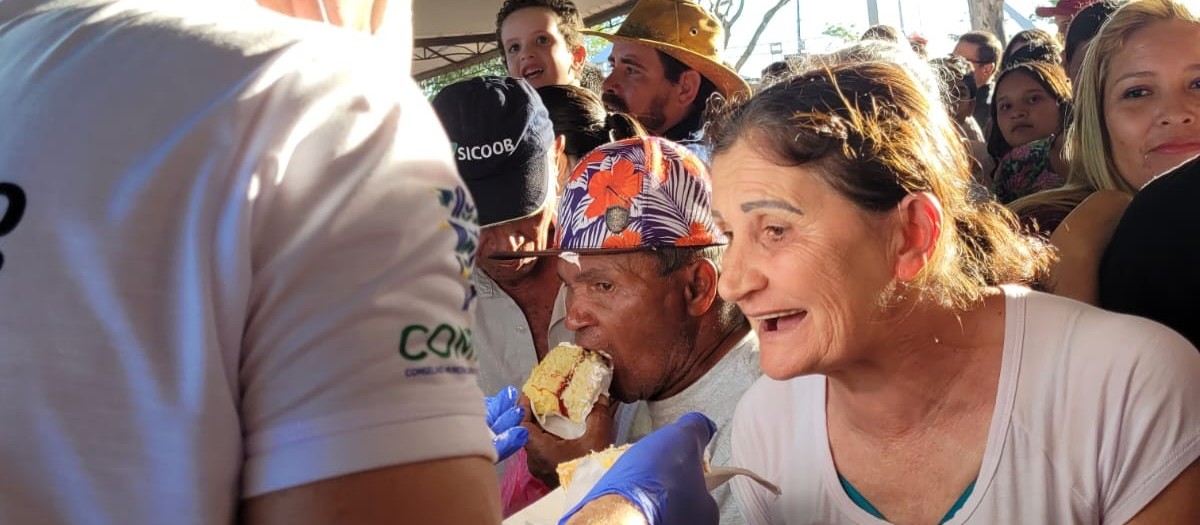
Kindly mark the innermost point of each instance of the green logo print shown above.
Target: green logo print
(418, 342)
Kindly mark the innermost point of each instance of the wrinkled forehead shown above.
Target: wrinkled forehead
(573, 266)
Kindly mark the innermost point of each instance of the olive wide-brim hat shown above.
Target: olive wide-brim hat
(685, 31)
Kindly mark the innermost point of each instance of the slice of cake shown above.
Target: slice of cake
(606, 458)
(567, 382)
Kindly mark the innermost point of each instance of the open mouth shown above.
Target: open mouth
(781, 320)
(530, 74)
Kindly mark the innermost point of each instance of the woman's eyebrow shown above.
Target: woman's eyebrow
(748, 207)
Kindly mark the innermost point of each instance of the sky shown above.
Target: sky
(939, 21)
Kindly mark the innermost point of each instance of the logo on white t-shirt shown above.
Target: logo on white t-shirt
(464, 221)
(13, 210)
(419, 341)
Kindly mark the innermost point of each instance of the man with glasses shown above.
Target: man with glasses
(982, 49)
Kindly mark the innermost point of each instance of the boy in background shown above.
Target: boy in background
(541, 41)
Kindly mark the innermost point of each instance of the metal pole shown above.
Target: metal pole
(872, 12)
(799, 36)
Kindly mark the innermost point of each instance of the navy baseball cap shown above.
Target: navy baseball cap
(501, 136)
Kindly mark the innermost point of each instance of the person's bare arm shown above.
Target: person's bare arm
(1176, 504)
(449, 491)
(1081, 240)
(608, 510)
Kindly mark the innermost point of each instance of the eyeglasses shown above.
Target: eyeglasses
(976, 62)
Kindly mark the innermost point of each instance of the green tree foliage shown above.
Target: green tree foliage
(843, 33)
(492, 66)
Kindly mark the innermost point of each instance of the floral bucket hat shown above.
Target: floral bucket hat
(636, 194)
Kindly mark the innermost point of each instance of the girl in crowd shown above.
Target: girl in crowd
(579, 117)
(903, 385)
(1031, 106)
(1138, 101)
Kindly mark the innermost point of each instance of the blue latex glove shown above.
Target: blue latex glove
(663, 475)
(504, 418)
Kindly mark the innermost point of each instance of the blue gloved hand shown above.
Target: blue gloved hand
(504, 418)
(663, 475)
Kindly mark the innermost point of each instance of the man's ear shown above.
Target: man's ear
(989, 69)
(560, 161)
(920, 229)
(701, 290)
(688, 87)
(560, 146)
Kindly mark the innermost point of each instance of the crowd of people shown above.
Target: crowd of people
(248, 279)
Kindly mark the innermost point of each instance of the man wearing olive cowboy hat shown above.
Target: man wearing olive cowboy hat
(665, 64)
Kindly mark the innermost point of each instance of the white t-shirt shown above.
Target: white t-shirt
(715, 395)
(502, 338)
(1095, 414)
(241, 265)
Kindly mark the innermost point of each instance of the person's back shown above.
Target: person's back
(1150, 265)
(210, 289)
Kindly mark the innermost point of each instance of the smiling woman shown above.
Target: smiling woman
(1137, 103)
(1136, 116)
(1139, 96)
(884, 172)
(901, 371)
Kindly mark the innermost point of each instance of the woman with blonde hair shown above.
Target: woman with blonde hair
(903, 385)
(1137, 104)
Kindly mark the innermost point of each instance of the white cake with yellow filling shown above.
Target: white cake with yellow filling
(567, 383)
(606, 458)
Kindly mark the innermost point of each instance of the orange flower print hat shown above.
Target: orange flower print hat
(632, 195)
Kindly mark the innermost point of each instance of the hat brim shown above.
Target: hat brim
(727, 81)
(1050, 12)
(507, 255)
